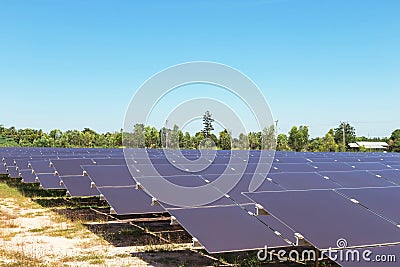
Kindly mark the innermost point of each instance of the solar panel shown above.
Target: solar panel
(331, 166)
(3, 169)
(110, 161)
(129, 200)
(380, 200)
(22, 164)
(13, 171)
(292, 167)
(27, 176)
(390, 175)
(290, 160)
(242, 186)
(323, 217)
(49, 181)
(301, 181)
(79, 186)
(368, 166)
(69, 167)
(41, 166)
(117, 175)
(152, 186)
(226, 228)
(355, 179)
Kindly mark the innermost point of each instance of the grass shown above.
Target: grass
(91, 258)
(18, 258)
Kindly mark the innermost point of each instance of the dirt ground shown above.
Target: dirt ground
(31, 235)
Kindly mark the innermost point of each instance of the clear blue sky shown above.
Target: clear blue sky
(75, 64)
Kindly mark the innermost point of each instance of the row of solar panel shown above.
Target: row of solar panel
(267, 229)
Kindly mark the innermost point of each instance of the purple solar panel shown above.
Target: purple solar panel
(226, 229)
(356, 179)
(292, 167)
(301, 181)
(129, 200)
(331, 166)
(151, 184)
(13, 171)
(110, 161)
(368, 166)
(79, 186)
(68, 167)
(3, 169)
(117, 175)
(242, 185)
(41, 166)
(380, 200)
(323, 217)
(27, 176)
(49, 181)
(390, 175)
(290, 160)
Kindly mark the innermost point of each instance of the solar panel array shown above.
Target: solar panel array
(319, 196)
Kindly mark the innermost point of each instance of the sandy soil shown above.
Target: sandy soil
(33, 235)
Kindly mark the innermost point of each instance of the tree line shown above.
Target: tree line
(297, 139)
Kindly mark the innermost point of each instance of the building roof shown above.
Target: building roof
(369, 145)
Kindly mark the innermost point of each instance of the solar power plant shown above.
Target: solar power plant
(27, 176)
(321, 196)
(378, 200)
(324, 216)
(355, 179)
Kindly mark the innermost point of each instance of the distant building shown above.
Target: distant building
(369, 145)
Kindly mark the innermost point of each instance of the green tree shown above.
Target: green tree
(298, 138)
(328, 142)
(349, 133)
(151, 137)
(207, 122)
(394, 141)
(254, 140)
(225, 140)
(268, 138)
(138, 136)
(282, 143)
